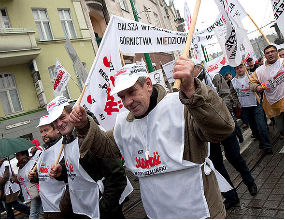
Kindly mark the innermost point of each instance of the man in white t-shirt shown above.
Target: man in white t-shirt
(11, 191)
(269, 78)
(253, 111)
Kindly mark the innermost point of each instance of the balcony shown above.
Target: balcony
(17, 46)
(95, 4)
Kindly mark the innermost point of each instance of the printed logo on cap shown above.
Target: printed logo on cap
(60, 100)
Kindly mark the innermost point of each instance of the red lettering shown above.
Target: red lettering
(110, 106)
(278, 74)
(151, 162)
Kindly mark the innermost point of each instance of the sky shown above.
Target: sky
(260, 11)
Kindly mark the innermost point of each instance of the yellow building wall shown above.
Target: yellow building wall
(25, 86)
(20, 16)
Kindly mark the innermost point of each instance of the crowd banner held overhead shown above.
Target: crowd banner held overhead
(177, 82)
(235, 34)
(125, 36)
(278, 12)
(61, 79)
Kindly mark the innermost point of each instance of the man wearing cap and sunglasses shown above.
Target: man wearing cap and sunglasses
(163, 139)
(51, 190)
(83, 171)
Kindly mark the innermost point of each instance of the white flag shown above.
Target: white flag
(234, 35)
(61, 79)
(97, 96)
(278, 11)
(126, 36)
(214, 66)
(187, 15)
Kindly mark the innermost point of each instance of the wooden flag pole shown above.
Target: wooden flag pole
(34, 169)
(257, 97)
(122, 59)
(177, 82)
(260, 31)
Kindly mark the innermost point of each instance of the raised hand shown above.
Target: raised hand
(184, 70)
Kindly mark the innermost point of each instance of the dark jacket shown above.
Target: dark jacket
(206, 119)
(98, 167)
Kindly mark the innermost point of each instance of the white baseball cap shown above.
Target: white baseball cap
(127, 77)
(44, 120)
(55, 107)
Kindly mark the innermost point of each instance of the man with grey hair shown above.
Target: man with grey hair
(83, 171)
(163, 139)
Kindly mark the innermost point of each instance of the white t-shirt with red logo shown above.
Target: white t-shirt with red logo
(245, 96)
(273, 75)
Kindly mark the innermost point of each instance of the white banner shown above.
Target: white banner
(278, 11)
(126, 36)
(61, 79)
(187, 15)
(215, 65)
(136, 37)
(97, 96)
(235, 34)
(168, 70)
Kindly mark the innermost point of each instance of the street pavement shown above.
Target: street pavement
(267, 170)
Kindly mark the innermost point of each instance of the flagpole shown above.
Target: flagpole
(122, 59)
(74, 82)
(266, 39)
(146, 55)
(177, 82)
(257, 97)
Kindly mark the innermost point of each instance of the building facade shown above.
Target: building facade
(32, 36)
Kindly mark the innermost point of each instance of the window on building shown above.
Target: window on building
(156, 20)
(9, 94)
(52, 75)
(67, 23)
(4, 18)
(147, 11)
(43, 24)
(123, 5)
